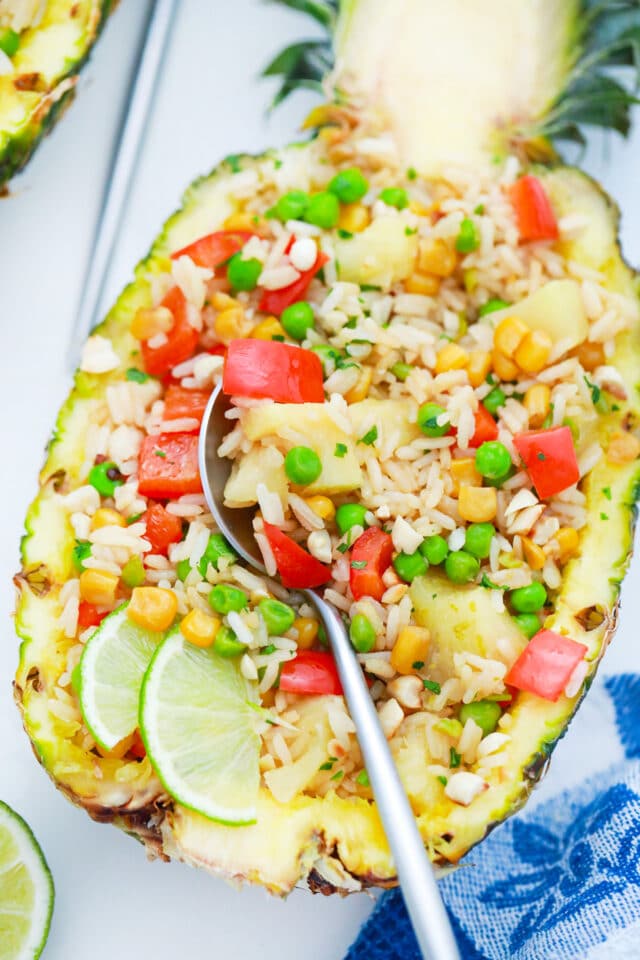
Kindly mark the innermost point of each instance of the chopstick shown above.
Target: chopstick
(125, 161)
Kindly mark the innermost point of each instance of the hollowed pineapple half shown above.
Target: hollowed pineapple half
(439, 83)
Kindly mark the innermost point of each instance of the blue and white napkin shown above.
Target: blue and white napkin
(561, 881)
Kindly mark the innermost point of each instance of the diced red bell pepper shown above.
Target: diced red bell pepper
(370, 556)
(88, 616)
(486, 428)
(215, 249)
(310, 672)
(163, 528)
(550, 459)
(168, 466)
(273, 370)
(534, 213)
(179, 403)
(545, 665)
(275, 301)
(181, 341)
(297, 568)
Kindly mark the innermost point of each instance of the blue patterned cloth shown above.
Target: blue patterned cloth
(560, 881)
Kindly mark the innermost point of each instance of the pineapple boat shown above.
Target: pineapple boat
(430, 346)
(43, 46)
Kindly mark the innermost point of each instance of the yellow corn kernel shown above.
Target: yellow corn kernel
(533, 554)
(105, 517)
(149, 321)
(221, 301)
(568, 541)
(361, 388)
(120, 750)
(354, 217)
(477, 504)
(411, 647)
(503, 367)
(267, 329)
(245, 221)
(419, 208)
(231, 324)
(509, 334)
(153, 608)
(590, 355)
(426, 284)
(533, 353)
(464, 473)
(307, 632)
(199, 628)
(98, 587)
(478, 367)
(323, 506)
(436, 256)
(623, 448)
(537, 402)
(451, 357)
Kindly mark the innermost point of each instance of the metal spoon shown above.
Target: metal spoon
(415, 872)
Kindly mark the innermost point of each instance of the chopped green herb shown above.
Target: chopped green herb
(410, 231)
(270, 648)
(327, 765)
(454, 758)
(277, 164)
(358, 564)
(418, 664)
(233, 161)
(604, 516)
(596, 392)
(340, 450)
(369, 288)
(369, 437)
(81, 551)
(137, 376)
(344, 234)
(607, 492)
(489, 584)
(432, 685)
(133, 518)
(351, 323)
(412, 173)
(541, 456)
(479, 209)
(338, 774)
(278, 336)
(343, 547)
(363, 779)
(159, 453)
(443, 780)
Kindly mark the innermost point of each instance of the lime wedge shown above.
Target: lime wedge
(198, 727)
(26, 890)
(113, 664)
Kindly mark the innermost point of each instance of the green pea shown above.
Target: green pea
(395, 197)
(297, 319)
(485, 713)
(243, 274)
(408, 566)
(80, 552)
(401, 371)
(491, 306)
(494, 400)
(105, 477)
(349, 186)
(528, 623)
(461, 567)
(529, 599)
(323, 210)
(302, 465)
(329, 357)
(362, 633)
(278, 616)
(217, 550)
(292, 205)
(468, 238)
(350, 515)
(133, 573)
(225, 599)
(428, 420)
(434, 549)
(9, 41)
(493, 460)
(183, 569)
(490, 482)
(477, 540)
(226, 644)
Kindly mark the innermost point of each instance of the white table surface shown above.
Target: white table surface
(110, 901)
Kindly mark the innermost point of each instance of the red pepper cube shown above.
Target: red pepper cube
(215, 249)
(181, 340)
(546, 664)
(550, 459)
(297, 568)
(486, 428)
(310, 672)
(534, 213)
(163, 528)
(168, 466)
(370, 557)
(180, 403)
(268, 369)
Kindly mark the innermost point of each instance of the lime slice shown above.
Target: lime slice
(198, 726)
(113, 664)
(26, 890)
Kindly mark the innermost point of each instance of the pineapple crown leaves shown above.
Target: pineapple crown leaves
(305, 64)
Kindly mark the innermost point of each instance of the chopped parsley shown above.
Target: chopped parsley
(137, 376)
(342, 547)
(133, 518)
(369, 437)
(278, 336)
(338, 775)
(340, 450)
(479, 210)
(596, 392)
(541, 456)
(344, 234)
(363, 779)
(358, 564)
(607, 492)
(270, 648)
(418, 664)
(233, 161)
(489, 584)
(328, 764)
(443, 780)
(160, 453)
(410, 231)
(370, 288)
(412, 173)
(432, 685)
(604, 516)
(454, 758)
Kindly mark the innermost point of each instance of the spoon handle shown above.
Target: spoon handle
(415, 872)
